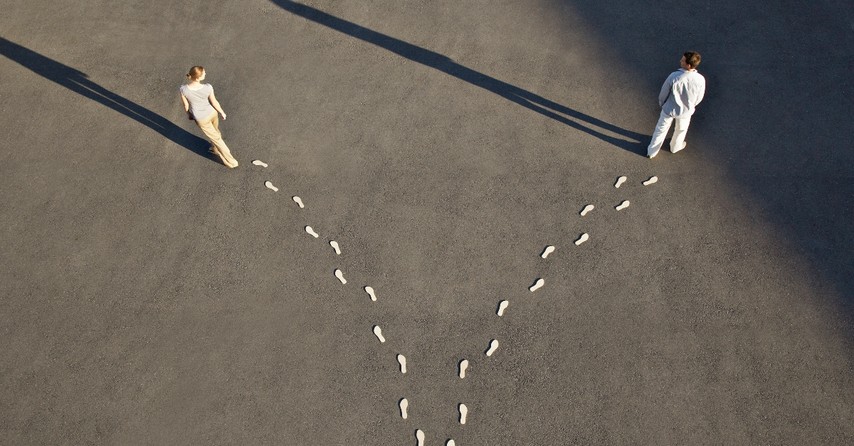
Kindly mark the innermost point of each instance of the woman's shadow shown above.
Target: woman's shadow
(79, 83)
(572, 118)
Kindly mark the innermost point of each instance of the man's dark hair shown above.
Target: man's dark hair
(692, 58)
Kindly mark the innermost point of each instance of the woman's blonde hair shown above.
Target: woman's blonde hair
(195, 73)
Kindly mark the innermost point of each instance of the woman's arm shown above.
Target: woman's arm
(186, 105)
(216, 105)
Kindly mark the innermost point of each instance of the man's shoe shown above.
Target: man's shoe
(684, 144)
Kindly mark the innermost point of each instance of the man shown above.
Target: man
(679, 96)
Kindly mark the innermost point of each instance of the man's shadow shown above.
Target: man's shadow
(79, 83)
(531, 101)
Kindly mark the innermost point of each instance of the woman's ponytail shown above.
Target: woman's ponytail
(195, 73)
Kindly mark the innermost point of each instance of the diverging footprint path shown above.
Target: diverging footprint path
(397, 358)
(537, 286)
(492, 346)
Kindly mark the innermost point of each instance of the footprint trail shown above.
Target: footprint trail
(371, 293)
(548, 250)
(340, 275)
(502, 306)
(378, 332)
(404, 406)
(493, 346)
(402, 361)
(587, 209)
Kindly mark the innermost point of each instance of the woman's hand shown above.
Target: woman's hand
(216, 106)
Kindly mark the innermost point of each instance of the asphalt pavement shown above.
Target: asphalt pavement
(152, 296)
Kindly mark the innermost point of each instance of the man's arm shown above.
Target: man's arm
(665, 91)
(702, 91)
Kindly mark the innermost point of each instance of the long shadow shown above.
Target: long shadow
(79, 83)
(793, 161)
(531, 101)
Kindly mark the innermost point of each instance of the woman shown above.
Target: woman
(201, 105)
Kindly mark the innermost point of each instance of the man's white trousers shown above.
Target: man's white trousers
(677, 143)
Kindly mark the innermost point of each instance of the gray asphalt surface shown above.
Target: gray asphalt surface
(152, 296)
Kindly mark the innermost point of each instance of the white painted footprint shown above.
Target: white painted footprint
(503, 306)
(371, 293)
(311, 232)
(622, 205)
(493, 345)
(464, 411)
(340, 276)
(652, 180)
(379, 333)
(620, 182)
(419, 435)
(259, 163)
(464, 365)
(583, 238)
(335, 246)
(402, 361)
(404, 406)
(298, 201)
(270, 186)
(549, 249)
(537, 285)
(587, 209)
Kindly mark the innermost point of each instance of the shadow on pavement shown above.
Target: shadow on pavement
(531, 101)
(79, 83)
(776, 112)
